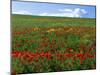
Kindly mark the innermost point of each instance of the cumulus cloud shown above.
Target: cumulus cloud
(57, 14)
(83, 11)
(23, 12)
(65, 10)
(77, 12)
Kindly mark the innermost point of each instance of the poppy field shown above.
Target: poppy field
(51, 44)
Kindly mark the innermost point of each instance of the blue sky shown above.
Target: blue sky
(50, 9)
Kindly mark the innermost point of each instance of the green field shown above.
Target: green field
(49, 44)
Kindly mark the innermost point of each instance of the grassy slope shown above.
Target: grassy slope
(41, 21)
(76, 33)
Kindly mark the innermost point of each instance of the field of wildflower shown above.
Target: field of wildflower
(51, 44)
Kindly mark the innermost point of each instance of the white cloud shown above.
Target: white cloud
(77, 12)
(65, 10)
(22, 12)
(84, 11)
(57, 14)
(43, 14)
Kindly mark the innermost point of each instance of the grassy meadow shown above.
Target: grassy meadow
(50, 44)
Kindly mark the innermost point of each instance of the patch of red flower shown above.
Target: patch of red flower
(16, 54)
(79, 55)
(31, 55)
(68, 55)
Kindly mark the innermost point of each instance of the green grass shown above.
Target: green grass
(55, 35)
(42, 21)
